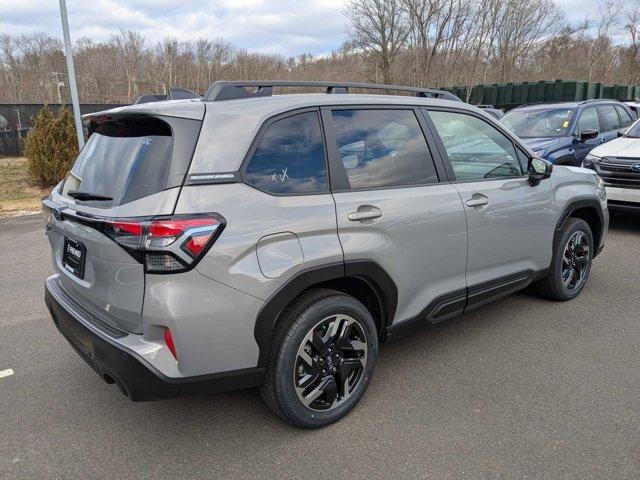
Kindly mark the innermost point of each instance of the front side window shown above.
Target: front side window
(539, 122)
(588, 121)
(476, 150)
(625, 118)
(290, 157)
(383, 148)
(609, 117)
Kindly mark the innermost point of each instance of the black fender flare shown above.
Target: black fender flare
(586, 203)
(369, 271)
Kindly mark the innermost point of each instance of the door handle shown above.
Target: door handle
(478, 201)
(365, 212)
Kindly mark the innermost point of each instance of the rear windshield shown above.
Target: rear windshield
(123, 161)
(539, 122)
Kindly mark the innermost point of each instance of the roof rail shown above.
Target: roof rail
(175, 93)
(228, 90)
(591, 100)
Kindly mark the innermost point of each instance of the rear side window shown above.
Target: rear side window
(588, 121)
(625, 118)
(124, 159)
(609, 118)
(476, 149)
(383, 148)
(290, 157)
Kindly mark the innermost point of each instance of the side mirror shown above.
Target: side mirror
(588, 135)
(539, 169)
(622, 132)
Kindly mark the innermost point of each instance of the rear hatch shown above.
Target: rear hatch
(129, 172)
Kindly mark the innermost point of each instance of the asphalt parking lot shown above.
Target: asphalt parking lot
(522, 388)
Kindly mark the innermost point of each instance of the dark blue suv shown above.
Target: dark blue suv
(564, 133)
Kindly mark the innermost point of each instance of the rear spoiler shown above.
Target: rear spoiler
(175, 93)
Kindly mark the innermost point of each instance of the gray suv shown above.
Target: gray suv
(245, 239)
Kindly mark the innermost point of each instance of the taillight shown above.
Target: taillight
(166, 244)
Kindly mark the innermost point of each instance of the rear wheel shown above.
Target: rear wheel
(571, 261)
(322, 359)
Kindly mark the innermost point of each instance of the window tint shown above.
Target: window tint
(588, 121)
(477, 150)
(624, 116)
(124, 159)
(290, 157)
(609, 117)
(383, 148)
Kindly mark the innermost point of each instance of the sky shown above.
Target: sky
(286, 27)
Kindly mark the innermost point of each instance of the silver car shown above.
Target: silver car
(245, 239)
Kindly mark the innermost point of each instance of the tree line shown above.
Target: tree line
(428, 43)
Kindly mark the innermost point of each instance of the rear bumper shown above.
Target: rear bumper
(136, 379)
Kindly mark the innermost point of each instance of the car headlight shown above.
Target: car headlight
(601, 190)
(589, 161)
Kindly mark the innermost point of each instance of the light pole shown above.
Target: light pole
(72, 73)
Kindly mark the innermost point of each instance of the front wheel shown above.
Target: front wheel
(571, 261)
(322, 360)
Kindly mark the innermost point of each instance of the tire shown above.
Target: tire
(558, 285)
(324, 321)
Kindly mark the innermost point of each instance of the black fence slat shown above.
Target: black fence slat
(20, 118)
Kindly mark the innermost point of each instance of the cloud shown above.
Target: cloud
(288, 27)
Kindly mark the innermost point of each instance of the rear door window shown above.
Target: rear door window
(123, 160)
(625, 118)
(383, 148)
(609, 118)
(290, 157)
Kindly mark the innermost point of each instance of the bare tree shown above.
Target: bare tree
(378, 29)
(632, 53)
(430, 43)
(522, 25)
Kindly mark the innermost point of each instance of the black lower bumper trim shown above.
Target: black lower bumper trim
(136, 379)
(626, 206)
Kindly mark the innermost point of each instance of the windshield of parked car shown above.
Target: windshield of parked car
(634, 130)
(539, 122)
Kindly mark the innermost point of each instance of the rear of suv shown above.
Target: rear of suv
(254, 240)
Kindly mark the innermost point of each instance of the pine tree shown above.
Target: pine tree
(51, 146)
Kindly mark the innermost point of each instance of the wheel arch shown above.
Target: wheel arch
(365, 280)
(591, 212)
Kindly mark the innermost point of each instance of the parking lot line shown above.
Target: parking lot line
(6, 373)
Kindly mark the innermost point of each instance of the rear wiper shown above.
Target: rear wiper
(78, 195)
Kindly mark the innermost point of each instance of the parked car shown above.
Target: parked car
(249, 240)
(493, 111)
(618, 163)
(634, 107)
(564, 133)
